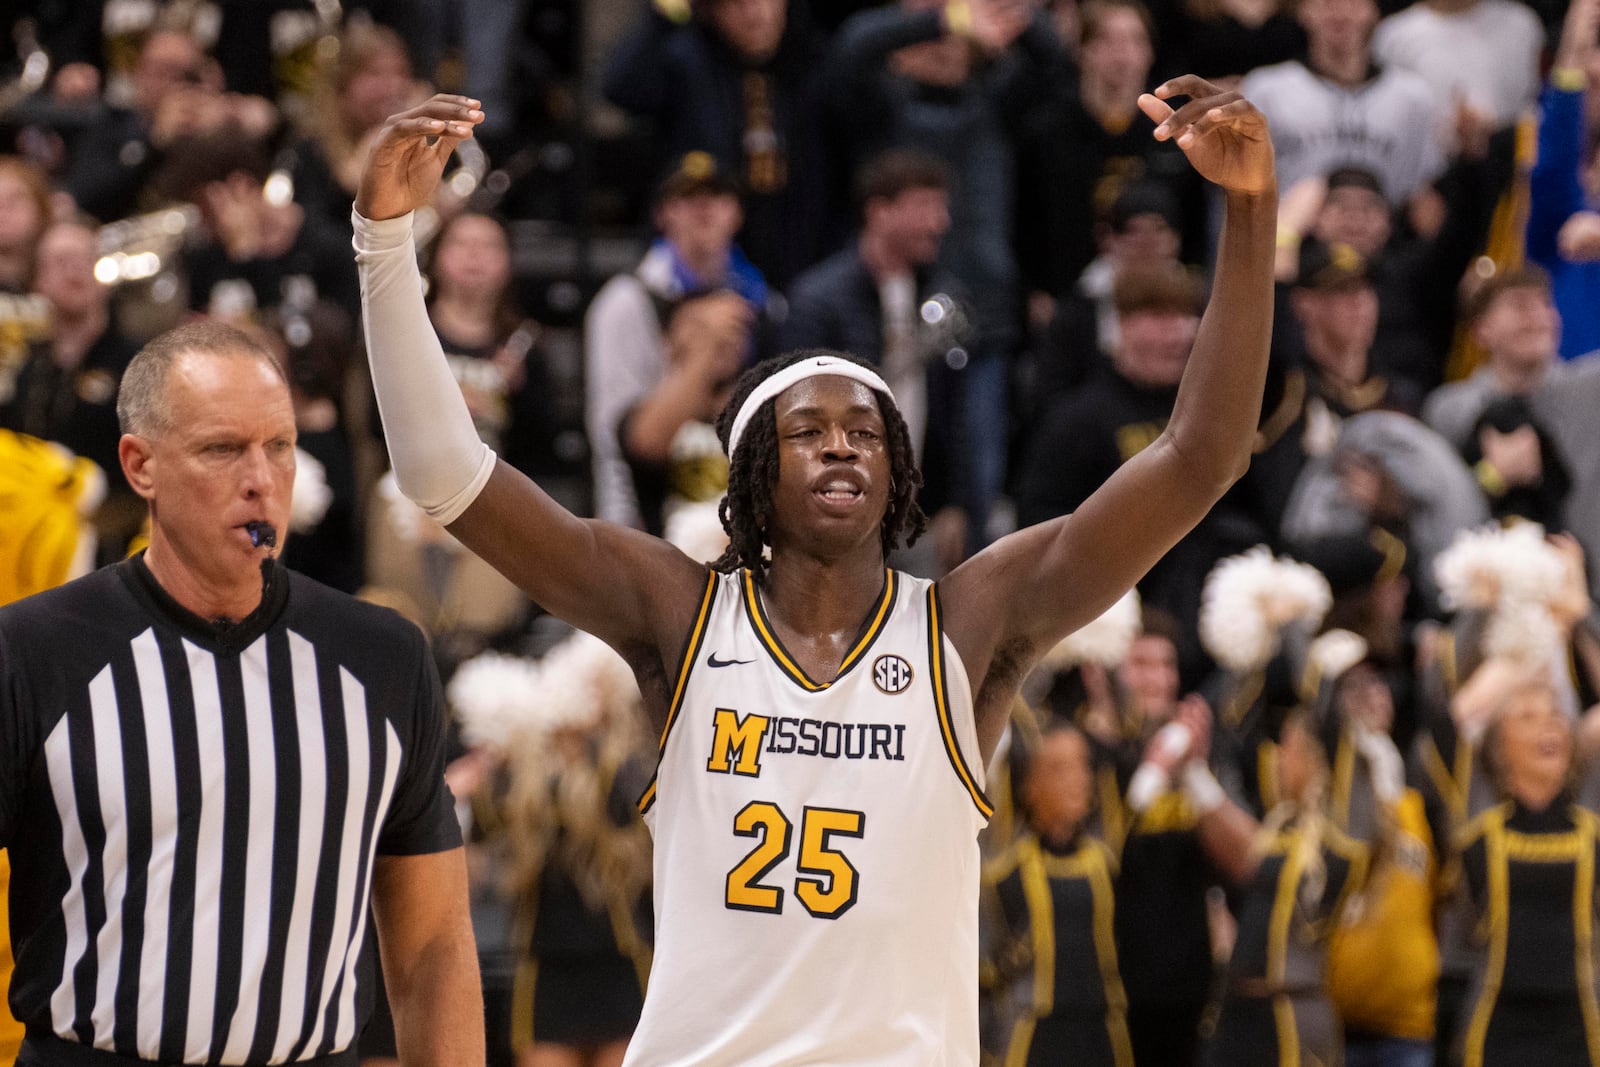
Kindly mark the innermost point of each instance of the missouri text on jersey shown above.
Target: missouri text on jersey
(737, 741)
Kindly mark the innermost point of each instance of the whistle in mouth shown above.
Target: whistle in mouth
(262, 534)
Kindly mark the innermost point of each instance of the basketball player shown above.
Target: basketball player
(825, 721)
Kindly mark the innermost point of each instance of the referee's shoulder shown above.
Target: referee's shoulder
(347, 615)
(36, 616)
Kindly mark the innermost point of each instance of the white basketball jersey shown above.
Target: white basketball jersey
(816, 857)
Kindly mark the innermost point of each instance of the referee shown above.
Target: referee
(209, 766)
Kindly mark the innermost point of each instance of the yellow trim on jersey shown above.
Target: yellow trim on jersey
(1492, 827)
(763, 627)
(1287, 891)
(1288, 1031)
(942, 700)
(1021, 1041)
(691, 650)
(1267, 773)
(1444, 782)
(523, 985)
(1344, 773)
(1041, 910)
(1113, 816)
(1583, 926)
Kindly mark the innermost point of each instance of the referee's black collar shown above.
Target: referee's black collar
(216, 633)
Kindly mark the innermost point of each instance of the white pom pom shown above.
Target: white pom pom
(1523, 630)
(405, 518)
(311, 497)
(697, 530)
(1248, 597)
(1104, 640)
(1335, 652)
(1493, 565)
(490, 694)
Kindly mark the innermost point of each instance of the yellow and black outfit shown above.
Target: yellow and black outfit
(1531, 876)
(1383, 957)
(1056, 954)
(1276, 1010)
(584, 916)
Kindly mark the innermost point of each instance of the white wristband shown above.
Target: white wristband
(1205, 793)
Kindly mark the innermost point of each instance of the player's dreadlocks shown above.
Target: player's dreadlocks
(754, 471)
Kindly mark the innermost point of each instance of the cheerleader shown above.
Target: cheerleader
(1048, 905)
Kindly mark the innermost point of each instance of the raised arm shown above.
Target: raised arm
(1017, 598)
(633, 591)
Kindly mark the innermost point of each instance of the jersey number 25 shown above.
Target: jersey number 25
(826, 885)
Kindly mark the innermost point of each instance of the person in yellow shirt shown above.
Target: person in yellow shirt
(46, 494)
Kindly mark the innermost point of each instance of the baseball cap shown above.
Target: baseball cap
(1144, 198)
(695, 174)
(1334, 265)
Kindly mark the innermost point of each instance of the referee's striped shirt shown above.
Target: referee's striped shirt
(193, 812)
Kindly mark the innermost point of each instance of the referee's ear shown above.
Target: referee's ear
(136, 456)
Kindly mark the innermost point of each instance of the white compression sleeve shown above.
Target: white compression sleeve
(439, 461)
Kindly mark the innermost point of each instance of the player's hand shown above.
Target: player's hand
(1222, 133)
(410, 154)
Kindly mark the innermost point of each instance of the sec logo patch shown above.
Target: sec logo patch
(891, 674)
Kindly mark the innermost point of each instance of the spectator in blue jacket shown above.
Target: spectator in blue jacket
(1563, 223)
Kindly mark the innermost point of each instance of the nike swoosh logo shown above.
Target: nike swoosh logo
(713, 661)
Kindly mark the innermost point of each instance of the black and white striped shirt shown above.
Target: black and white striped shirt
(193, 812)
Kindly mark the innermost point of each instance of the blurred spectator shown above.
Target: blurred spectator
(1383, 956)
(175, 93)
(1336, 306)
(1534, 993)
(495, 357)
(1480, 57)
(1084, 148)
(1162, 931)
(1093, 430)
(948, 81)
(1564, 216)
(67, 391)
(1141, 229)
(1416, 277)
(1514, 317)
(1225, 38)
(667, 437)
(1389, 471)
(491, 346)
(742, 81)
(316, 345)
(1518, 464)
(257, 249)
(697, 214)
(1061, 989)
(24, 214)
(1293, 871)
(1335, 108)
(868, 300)
(370, 81)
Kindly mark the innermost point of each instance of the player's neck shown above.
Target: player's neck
(813, 595)
(231, 597)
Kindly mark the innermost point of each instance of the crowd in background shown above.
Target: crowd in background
(1385, 835)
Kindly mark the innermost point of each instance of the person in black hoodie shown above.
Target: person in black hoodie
(741, 80)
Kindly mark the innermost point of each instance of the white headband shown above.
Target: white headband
(814, 367)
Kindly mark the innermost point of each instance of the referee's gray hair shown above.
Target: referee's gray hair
(142, 397)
